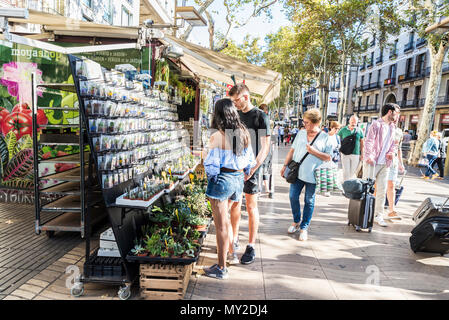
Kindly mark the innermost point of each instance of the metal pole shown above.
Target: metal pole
(35, 153)
(446, 165)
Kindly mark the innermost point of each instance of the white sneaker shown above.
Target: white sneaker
(233, 259)
(303, 235)
(380, 221)
(293, 229)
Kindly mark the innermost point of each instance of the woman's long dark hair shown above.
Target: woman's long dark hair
(227, 120)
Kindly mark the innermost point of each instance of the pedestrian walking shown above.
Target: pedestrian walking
(378, 154)
(334, 139)
(396, 167)
(294, 133)
(281, 134)
(229, 158)
(441, 156)
(258, 125)
(351, 149)
(317, 153)
(431, 150)
(407, 137)
(287, 135)
(267, 164)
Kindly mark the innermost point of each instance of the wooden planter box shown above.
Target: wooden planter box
(164, 282)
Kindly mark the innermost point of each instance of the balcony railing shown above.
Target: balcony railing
(371, 107)
(379, 59)
(369, 86)
(443, 100)
(408, 47)
(421, 42)
(413, 75)
(393, 54)
(362, 108)
(370, 64)
(411, 104)
(372, 43)
(355, 109)
(389, 82)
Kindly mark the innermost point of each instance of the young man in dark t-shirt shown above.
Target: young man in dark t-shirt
(258, 125)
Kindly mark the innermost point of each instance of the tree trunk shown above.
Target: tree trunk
(211, 30)
(300, 102)
(287, 101)
(346, 92)
(437, 59)
(342, 89)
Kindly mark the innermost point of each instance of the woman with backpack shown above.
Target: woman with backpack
(351, 149)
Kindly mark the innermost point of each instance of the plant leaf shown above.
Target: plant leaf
(20, 165)
(11, 141)
(4, 153)
(19, 183)
(25, 142)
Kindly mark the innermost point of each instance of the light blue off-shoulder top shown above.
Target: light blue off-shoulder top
(220, 158)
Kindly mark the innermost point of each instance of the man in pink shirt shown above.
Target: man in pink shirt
(378, 153)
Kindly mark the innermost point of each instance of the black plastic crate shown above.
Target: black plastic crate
(103, 266)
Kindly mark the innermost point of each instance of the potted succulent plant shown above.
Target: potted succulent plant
(153, 244)
(199, 223)
(138, 250)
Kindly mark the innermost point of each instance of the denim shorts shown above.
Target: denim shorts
(393, 175)
(229, 185)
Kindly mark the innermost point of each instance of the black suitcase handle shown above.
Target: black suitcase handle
(442, 206)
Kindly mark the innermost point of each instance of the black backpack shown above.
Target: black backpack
(348, 143)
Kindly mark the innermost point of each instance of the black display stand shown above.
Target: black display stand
(126, 222)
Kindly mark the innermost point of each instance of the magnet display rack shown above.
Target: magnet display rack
(75, 194)
(126, 220)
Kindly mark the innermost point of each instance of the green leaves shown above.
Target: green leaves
(11, 141)
(20, 165)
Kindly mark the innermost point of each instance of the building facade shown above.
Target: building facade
(398, 73)
(112, 12)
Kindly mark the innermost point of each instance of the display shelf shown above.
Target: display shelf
(71, 221)
(48, 125)
(68, 175)
(72, 158)
(122, 202)
(66, 188)
(76, 194)
(59, 139)
(69, 87)
(173, 187)
(70, 203)
(60, 108)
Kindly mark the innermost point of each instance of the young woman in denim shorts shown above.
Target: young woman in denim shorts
(230, 156)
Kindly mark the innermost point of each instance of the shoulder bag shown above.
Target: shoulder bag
(292, 169)
(348, 144)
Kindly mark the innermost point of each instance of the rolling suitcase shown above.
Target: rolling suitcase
(431, 207)
(431, 235)
(399, 188)
(361, 211)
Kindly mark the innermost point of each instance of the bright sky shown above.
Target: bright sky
(257, 27)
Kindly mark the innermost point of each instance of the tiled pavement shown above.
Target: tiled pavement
(336, 262)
